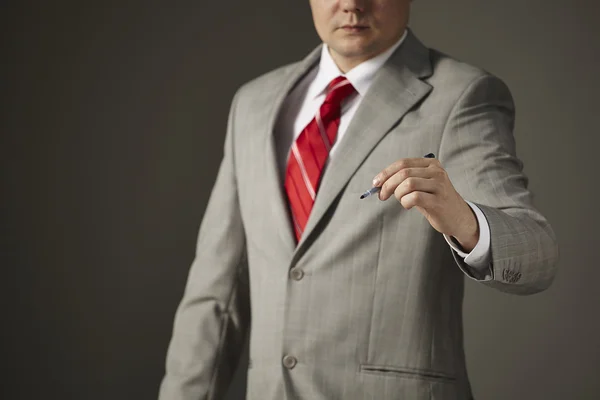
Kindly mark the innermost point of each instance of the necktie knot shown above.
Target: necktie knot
(338, 90)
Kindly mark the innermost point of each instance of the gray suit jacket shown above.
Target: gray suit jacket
(368, 304)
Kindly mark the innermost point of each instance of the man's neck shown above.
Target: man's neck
(346, 64)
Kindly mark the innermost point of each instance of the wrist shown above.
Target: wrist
(468, 236)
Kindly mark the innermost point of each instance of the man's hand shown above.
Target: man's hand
(424, 184)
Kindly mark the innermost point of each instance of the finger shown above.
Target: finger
(401, 164)
(423, 200)
(412, 184)
(408, 185)
(389, 186)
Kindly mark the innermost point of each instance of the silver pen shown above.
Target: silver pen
(376, 189)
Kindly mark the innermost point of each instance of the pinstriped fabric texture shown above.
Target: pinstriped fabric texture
(310, 151)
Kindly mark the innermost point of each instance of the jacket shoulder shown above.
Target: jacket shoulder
(266, 82)
(453, 77)
(448, 68)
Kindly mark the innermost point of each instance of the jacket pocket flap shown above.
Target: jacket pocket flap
(406, 372)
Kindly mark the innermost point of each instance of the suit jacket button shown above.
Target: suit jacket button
(289, 362)
(297, 274)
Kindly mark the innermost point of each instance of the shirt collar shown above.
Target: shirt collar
(360, 76)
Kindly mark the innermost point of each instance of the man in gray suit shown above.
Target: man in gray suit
(343, 297)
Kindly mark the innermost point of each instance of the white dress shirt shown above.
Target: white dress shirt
(301, 105)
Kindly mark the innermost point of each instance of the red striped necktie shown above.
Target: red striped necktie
(310, 151)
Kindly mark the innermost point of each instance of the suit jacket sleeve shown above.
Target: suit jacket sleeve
(478, 151)
(213, 316)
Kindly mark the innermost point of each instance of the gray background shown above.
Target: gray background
(113, 117)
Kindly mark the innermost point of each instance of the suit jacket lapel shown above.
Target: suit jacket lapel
(396, 89)
(274, 188)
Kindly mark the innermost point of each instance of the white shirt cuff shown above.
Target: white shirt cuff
(479, 257)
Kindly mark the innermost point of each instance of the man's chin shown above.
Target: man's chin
(353, 51)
